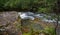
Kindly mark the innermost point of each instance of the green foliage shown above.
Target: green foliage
(44, 10)
(42, 5)
(50, 30)
(29, 33)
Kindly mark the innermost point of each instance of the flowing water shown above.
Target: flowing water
(32, 16)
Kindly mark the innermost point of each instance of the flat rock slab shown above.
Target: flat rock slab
(8, 17)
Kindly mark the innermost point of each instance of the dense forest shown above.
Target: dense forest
(28, 5)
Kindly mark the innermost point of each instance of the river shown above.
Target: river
(32, 16)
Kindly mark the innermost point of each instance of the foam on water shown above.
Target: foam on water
(32, 16)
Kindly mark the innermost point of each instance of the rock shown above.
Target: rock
(6, 21)
(8, 17)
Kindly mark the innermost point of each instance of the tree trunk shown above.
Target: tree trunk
(56, 24)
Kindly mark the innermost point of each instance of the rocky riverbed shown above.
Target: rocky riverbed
(10, 23)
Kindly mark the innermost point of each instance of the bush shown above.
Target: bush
(49, 30)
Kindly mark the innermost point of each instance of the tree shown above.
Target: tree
(57, 11)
